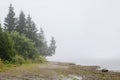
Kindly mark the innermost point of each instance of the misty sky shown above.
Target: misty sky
(83, 29)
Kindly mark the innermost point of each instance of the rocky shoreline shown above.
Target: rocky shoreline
(57, 71)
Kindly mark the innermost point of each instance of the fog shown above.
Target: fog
(86, 31)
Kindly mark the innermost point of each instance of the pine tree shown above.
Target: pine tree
(42, 43)
(52, 47)
(31, 30)
(10, 20)
(21, 24)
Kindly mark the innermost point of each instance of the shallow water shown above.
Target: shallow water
(110, 65)
(113, 65)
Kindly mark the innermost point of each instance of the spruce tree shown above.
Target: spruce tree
(52, 47)
(31, 30)
(42, 43)
(10, 21)
(21, 23)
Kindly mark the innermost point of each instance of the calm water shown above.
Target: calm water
(113, 65)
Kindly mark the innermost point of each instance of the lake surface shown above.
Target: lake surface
(113, 65)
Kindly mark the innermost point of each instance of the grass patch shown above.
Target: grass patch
(6, 67)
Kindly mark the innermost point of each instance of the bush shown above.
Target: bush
(18, 60)
(24, 46)
(40, 59)
(6, 46)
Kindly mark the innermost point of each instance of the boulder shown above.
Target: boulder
(104, 70)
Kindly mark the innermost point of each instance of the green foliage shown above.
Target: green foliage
(10, 20)
(20, 40)
(42, 43)
(24, 46)
(31, 30)
(18, 60)
(40, 59)
(21, 24)
(6, 46)
(52, 47)
(42, 47)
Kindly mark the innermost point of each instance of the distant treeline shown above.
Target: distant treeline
(21, 40)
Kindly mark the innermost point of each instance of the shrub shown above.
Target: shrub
(24, 46)
(6, 46)
(18, 60)
(40, 59)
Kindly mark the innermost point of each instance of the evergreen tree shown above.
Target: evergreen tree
(42, 43)
(52, 47)
(31, 30)
(10, 21)
(21, 24)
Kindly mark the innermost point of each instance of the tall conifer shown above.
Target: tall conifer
(21, 24)
(10, 20)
